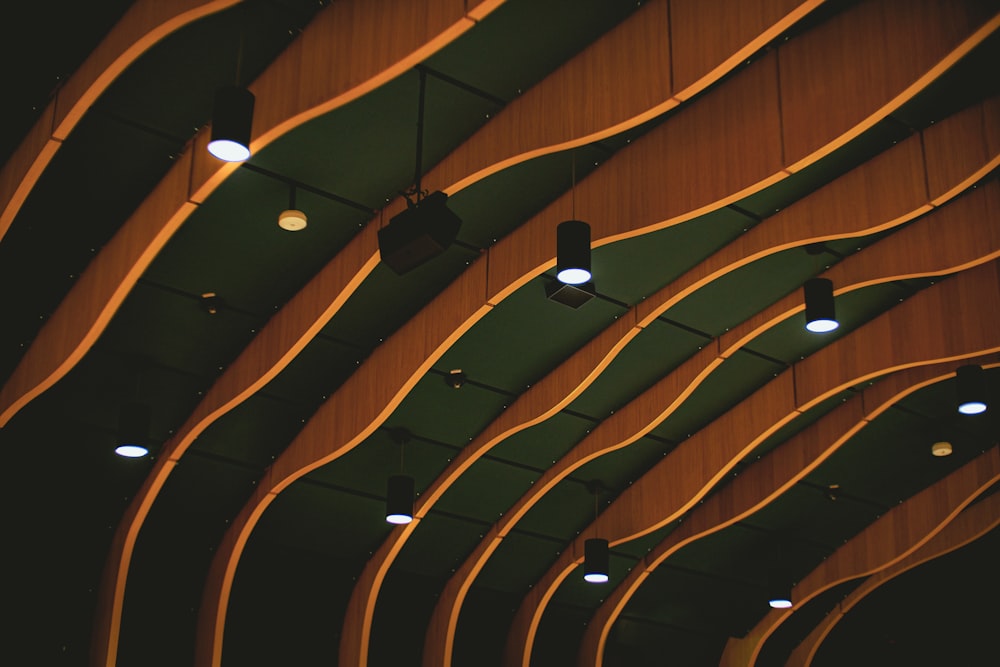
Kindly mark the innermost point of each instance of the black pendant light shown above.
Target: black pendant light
(232, 118)
(399, 500)
(573, 244)
(133, 431)
(971, 381)
(595, 550)
(399, 489)
(779, 596)
(573, 252)
(820, 315)
(595, 560)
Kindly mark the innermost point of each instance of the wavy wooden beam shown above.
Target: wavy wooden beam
(308, 79)
(250, 372)
(353, 442)
(323, 279)
(970, 525)
(890, 539)
(143, 25)
(676, 483)
(630, 95)
(795, 226)
(757, 486)
(336, 59)
(671, 53)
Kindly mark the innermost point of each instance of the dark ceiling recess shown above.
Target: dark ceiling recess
(725, 164)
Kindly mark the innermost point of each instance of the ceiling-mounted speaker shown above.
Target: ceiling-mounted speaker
(420, 233)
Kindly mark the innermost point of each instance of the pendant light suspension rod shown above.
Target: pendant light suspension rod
(418, 170)
(572, 171)
(239, 49)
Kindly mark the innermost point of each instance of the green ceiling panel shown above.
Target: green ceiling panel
(634, 269)
(651, 355)
(318, 518)
(735, 379)
(487, 490)
(533, 554)
(440, 546)
(315, 373)
(512, 330)
(543, 444)
(253, 433)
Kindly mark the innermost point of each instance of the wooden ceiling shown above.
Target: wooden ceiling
(722, 153)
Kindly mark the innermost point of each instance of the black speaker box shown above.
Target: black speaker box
(421, 232)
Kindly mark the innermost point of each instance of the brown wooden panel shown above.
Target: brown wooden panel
(584, 100)
(672, 172)
(623, 426)
(143, 24)
(753, 489)
(919, 328)
(94, 298)
(543, 399)
(944, 163)
(706, 457)
(891, 538)
(23, 169)
(970, 525)
(949, 239)
(709, 34)
(834, 61)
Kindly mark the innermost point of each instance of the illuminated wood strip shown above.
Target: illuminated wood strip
(102, 288)
(969, 526)
(804, 222)
(756, 487)
(676, 483)
(143, 25)
(199, 193)
(336, 59)
(895, 535)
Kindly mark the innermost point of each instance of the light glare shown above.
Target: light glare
(131, 451)
(228, 150)
(822, 326)
(972, 408)
(573, 276)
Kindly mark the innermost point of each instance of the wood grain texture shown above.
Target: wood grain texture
(836, 60)
(947, 240)
(893, 537)
(706, 35)
(973, 523)
(782, 231)
(144, 24)
(687, 473)
(119, 265)
(753, 489)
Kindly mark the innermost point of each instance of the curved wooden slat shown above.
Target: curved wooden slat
(282, 102)
(476, 287)
(869, 32)
(335, 60)
(144, 24)
(795, 226)
(696, 465)
(891, 538)
(260, 362)
(756, 487)
(969, 526)
(947, 240)
(643, 46)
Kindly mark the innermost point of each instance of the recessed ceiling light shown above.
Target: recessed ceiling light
(292, 220)
(941, 448)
